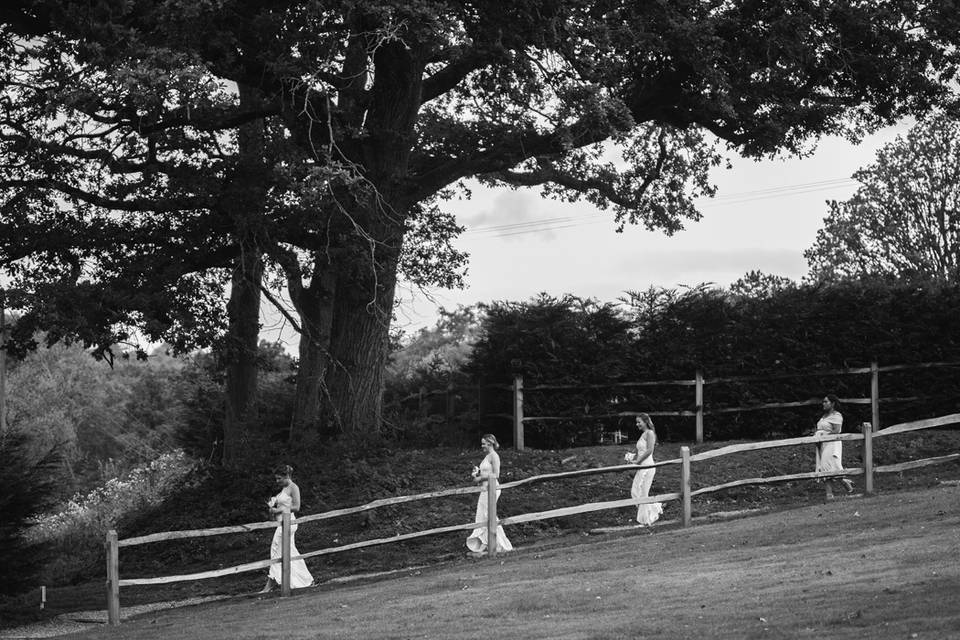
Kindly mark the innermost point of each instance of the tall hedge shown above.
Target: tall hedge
(797, 329)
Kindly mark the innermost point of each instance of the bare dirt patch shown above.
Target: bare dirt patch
(879, 567)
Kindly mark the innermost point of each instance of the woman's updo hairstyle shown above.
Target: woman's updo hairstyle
(835, 401)
(283, 470)
(491, 440)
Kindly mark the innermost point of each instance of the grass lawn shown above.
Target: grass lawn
(876, 567)
(530, 592)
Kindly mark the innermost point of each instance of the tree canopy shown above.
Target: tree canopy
(904, 219)
(347, 121)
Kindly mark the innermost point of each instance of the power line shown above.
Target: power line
(565, 222)
(520, 225)
(714, 203)
(788, 187)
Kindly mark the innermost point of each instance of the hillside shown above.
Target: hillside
(858, 568)
(334, 480)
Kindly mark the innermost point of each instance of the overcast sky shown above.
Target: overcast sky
(764, 216)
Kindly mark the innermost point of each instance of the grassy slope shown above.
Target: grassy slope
(880, 567)
(330, 481)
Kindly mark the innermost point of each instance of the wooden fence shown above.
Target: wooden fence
(684, 494)
(698, 382)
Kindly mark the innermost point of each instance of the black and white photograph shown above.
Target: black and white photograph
(514, 319)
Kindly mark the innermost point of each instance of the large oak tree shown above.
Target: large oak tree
(615, 102)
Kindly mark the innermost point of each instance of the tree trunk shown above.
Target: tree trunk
(314, 305)
(240, 356)
(359, 343)
(244, 203)
(352, 395)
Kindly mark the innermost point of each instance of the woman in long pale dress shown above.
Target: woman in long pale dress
(830, 454)
(650, 512)
(287, 501)
(489, 468)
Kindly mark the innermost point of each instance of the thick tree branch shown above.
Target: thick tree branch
(202, 119)
(607, 188)
(435, 173)
(155, 205)
(116, 165)
(453, 74)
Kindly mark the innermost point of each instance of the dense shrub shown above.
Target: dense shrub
(74, 535)
(773, 330)
(27, 486)
(566, 340)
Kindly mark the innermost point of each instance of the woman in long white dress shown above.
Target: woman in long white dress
(647, 513)
(287, 501)
(830, 454)
(489, 468)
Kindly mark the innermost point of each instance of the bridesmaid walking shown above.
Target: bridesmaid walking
(489, 468)
(287, 501)
(648, 513)
(830, 454)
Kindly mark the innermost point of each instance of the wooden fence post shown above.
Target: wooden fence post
(492, 516)
(699, 401)
(685, 484)
(113, 578)
(518, 412)
(285, 533)
(867, 458)
(875, 394)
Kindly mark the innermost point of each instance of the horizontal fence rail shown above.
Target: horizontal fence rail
(699, 411)
(684, 495)
(587, 508)
(676, 382)
(810, 475)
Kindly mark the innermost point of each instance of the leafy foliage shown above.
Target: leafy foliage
(74, 535)
(435, 353)
(382, 106)
(106, 420)
(904, 219)
(548, 338)
(669, 335)
(756, 284)
(127, 414)
(558, 340)
(27, 486)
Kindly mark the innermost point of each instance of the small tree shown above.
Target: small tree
(904, 219)
(27, 484)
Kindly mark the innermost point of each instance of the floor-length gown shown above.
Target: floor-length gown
(299, 574)
(829, 454)
(648, 513)
(477, 541)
